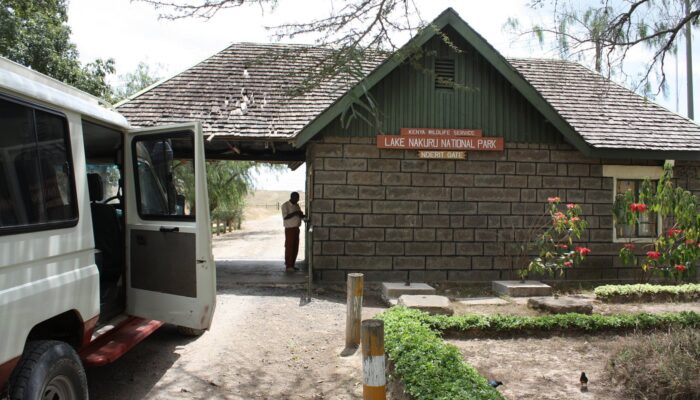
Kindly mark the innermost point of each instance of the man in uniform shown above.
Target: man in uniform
(292, 216)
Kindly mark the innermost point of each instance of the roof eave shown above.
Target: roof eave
(641, 154)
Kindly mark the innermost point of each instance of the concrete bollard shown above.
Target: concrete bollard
(354, 316)
(373, 365)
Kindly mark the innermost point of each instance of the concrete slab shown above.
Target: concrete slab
(482, 301)
(429, 303)
(394, 290)
(521, 289)
(269, 273)
(561, 305)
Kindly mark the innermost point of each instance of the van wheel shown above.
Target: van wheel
(185, 331)
(48, 370)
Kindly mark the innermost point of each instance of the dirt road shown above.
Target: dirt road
(260, 239)
(265, 343)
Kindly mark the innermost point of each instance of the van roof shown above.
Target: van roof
(21, 80)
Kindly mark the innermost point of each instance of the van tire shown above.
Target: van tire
(185, 331)
(48, 367)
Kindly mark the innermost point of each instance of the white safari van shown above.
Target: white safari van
(104, 235)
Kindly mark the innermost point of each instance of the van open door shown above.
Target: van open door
(171, 275)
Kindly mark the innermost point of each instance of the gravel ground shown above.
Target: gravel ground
(551, 368)
(263, 344)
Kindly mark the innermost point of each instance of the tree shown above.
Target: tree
(228, 183)
(357, 30)
(604, 32)
(133, 82)
(598, 32)
(36, 34)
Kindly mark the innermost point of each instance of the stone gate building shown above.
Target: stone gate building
(566, 132)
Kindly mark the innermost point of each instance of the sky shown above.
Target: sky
(131, 32)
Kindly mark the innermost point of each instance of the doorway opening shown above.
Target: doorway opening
(249, 248)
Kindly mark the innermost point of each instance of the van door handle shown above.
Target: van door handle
(169, 229)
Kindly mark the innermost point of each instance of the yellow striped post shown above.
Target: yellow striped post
(373, 373)
(354, 317)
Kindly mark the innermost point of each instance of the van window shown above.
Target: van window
(37, 190)
(165, 184)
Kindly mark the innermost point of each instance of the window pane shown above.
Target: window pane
(166, 176)
(35, 177)
(20, 192)
(55, 168)
(647, 221)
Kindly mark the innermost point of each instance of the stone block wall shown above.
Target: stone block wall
(394, 217)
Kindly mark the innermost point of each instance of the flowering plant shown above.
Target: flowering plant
(555, 250)
(675, 252)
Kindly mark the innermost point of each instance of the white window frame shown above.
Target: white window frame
(635, 172)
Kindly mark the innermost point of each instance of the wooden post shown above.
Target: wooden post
(354, 317)
(373, 373)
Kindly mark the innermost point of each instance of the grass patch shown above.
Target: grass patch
(648, 293)
(429, 368)
(659, 366)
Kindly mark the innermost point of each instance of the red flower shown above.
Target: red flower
(568, 263)
(575, 219)
(689, 241)
(638, 207)
(551, 200)
(571, 206)
(654, 255)
(584, 251)
(680, 267)
(630, 246)
(559, 216)
(673, 232)
(562, 246)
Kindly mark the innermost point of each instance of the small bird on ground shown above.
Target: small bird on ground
(584, 381)
(494, 383)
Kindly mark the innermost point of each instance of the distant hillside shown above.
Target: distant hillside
(264, 203)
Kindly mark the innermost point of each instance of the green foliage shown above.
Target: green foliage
(429, 368)
(659, 366)
(133, 82)
(570, 323)
(675, 252)
(36, 34)
(554, 245)
(632, 293)
(228, 182)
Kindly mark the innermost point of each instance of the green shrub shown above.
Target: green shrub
(648, 292)
(429, 368)
(659, 366)
(480, 325)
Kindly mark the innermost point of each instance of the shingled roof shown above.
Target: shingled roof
(245, 91)
(604, 113)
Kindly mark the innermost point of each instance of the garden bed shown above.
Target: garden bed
(648, 293)
(431, 369)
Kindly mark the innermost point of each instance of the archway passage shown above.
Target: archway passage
(249, 247)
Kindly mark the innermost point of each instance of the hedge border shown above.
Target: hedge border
(429, 368)
(558, 324)
(648, 293)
